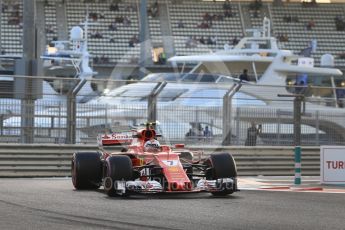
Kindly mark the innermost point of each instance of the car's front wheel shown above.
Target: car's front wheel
(222, 165)
(118, 168)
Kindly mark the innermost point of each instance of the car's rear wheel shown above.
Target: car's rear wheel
(222, 165)
(118, 168)
(86, 170)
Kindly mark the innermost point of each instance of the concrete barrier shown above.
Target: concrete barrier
(53, 160)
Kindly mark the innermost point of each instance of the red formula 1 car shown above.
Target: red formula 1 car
(164, 170)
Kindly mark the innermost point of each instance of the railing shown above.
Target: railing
(50, 160)
(183, 117)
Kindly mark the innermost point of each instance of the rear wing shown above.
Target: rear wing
(117, 138)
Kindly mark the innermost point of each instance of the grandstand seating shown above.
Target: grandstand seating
(191, 14)
(119, 50)
(155, 28)
(255, 17)
(11, 31)
(50, 20)
(329, 40)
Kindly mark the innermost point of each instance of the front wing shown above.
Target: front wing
(150, 187)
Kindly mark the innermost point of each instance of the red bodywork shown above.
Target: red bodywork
(165, 159)
(172, 169)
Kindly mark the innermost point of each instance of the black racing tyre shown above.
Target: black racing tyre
(86, 170)
(222, 165)
(117, 168)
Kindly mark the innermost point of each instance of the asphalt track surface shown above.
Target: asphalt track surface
(54, 204)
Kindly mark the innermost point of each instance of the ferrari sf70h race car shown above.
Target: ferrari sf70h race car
(136, 169)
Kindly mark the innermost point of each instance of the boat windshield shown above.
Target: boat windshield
(157, 77)
(209, 78)
(183, 77)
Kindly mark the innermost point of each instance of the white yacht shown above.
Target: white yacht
(259, 54)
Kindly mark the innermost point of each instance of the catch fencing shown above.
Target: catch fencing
(187, 112)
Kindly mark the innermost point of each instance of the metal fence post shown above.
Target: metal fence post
(152, 101)
(298, 171)
(227, 108)
(2, 118)
(144, 38)
(27, 120)
(226, 126)
(278, 126)
(238, 125)
(317, 127)
(59, 123)
(152, 108)
(298, 98)
(297, 138)
(27, 63)
(71, 118)
(72, 112)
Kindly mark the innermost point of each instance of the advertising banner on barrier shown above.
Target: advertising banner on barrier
(332, 164)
